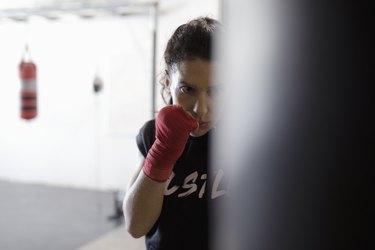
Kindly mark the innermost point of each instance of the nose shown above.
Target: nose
(201, 106)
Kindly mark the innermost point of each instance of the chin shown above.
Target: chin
(199, 132)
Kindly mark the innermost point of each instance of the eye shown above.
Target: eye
(187, 89)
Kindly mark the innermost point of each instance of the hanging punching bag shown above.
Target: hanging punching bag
(27, 71)
(297, 134)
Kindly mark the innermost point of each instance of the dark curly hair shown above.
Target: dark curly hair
(192, 40)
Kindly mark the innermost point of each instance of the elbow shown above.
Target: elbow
(131, 226)
(134, 232)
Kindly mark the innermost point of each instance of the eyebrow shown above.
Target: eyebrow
(194, 86)
(186, 83)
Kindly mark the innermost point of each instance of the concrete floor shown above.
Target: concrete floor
(38, 217)
(117, 239)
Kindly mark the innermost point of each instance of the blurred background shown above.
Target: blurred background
(63, 169)
(296, 139)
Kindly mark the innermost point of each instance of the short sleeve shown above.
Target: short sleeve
(146, 137)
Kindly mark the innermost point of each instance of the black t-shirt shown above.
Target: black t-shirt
(183, 222)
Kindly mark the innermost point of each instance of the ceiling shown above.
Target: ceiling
(20, 10)
(11, 4)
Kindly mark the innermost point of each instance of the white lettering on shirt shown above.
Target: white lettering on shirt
(215, 193)
(169, 191)
(203, 189)
(190, 185)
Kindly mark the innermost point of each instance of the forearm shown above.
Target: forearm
(144, 198)
(142, 205)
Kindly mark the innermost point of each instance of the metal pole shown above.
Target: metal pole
(155, 13)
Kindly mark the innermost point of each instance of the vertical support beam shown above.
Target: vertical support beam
(223, 4)
(155, 16)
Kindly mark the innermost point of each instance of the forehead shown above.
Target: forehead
(195, 72)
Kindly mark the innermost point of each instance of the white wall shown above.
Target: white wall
(79, 139)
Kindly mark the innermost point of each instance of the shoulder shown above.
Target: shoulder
(149, 126)
(146, 137)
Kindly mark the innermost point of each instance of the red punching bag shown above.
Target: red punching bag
(27, 70)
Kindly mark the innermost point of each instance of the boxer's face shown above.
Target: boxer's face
(191, 86)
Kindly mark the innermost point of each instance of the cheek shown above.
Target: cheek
(174, 96)
(185, 101)
(177, 99)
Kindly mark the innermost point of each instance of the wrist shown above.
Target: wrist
(161, 159)
(155, 173)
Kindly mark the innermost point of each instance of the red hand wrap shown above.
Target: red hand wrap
(173, 126)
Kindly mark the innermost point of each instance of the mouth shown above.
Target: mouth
(204, 124)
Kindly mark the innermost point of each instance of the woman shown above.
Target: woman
(167, 199)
